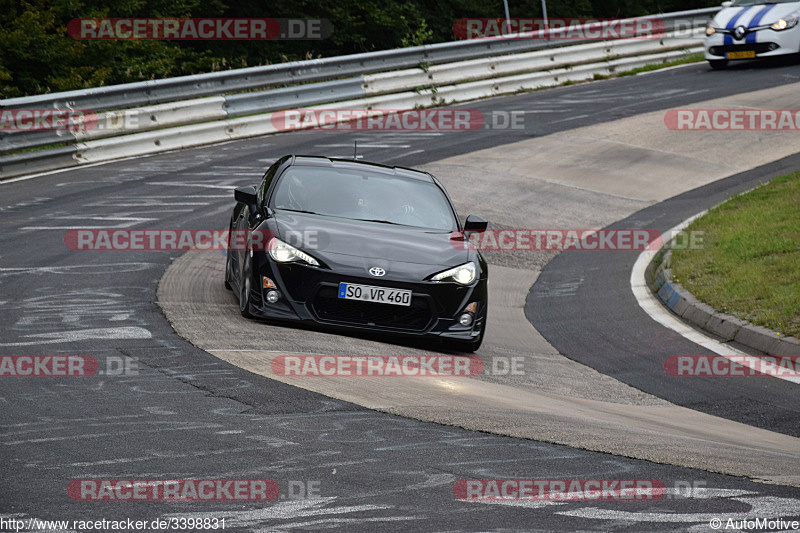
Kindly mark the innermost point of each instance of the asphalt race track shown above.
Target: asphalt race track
(601, 325)
(197, 398)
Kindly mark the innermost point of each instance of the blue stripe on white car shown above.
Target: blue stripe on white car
(751, 37)
(732, 23)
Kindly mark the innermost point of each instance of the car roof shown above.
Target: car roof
(375, 168)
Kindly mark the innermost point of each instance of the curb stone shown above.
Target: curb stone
(685, 305)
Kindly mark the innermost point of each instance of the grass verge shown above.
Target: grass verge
(692, 58)
(749, 264)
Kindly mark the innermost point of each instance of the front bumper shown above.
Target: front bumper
(761, 43)
(310, 295)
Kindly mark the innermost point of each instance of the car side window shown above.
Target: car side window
(267, 179)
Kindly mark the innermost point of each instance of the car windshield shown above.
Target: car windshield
(358, 195)
(739, 3)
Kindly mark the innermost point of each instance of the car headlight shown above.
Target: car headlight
(462, 274)
(785, 24)
(710, 30)
(286, 253)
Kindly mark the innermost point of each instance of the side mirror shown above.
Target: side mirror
(727, 4)
(246, 195)
(475, 223)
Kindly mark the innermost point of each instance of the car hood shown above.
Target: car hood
(757, 15)
(344, 241)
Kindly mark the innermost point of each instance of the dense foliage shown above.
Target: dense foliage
(37, 55)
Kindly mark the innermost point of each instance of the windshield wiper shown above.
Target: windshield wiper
(300, 211)
(381, 221)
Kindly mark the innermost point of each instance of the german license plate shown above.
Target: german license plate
(748, 54)
(369, 293)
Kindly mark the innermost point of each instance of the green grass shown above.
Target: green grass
(693, 58)
(749, 264)
(37, 148)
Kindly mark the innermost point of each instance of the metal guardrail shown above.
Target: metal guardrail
(179, 88)
(238, 105)
(186, 100)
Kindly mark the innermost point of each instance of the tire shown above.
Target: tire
(718, 64)
(244, 290)
(228, 269)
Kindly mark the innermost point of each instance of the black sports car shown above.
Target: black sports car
(356, 245)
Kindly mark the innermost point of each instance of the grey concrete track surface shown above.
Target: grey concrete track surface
(556, 400)
(550, 402)
(187, 413)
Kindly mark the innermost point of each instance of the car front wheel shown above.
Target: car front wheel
(228, 271)
(244, 291)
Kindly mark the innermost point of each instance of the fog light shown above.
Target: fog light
(273, 296)
(465, 319)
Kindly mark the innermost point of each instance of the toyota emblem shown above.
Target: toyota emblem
(377, 272)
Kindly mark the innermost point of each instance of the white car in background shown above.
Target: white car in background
(751, 29)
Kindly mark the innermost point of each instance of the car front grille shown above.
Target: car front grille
(758, 48)
(328, 307)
